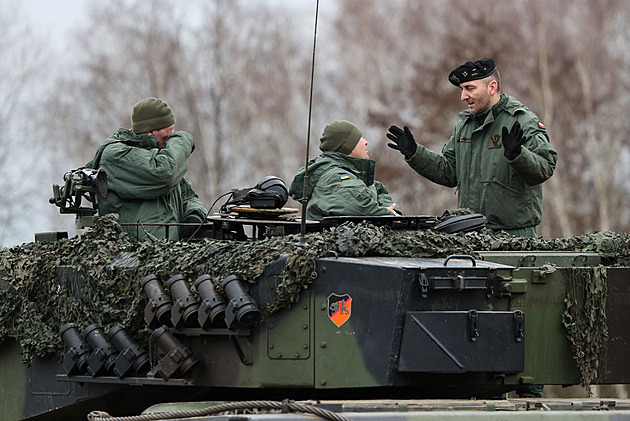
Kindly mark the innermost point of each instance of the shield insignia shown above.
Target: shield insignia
(339, 308)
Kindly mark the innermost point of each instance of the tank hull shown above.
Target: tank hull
(366, 327)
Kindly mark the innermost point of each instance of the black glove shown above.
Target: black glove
(403, 141)
(188, 231)
(512, 141)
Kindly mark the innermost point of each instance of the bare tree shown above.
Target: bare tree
(21, 67)
(234, 83)
(237, 75)
(245, 92)
(558, 58)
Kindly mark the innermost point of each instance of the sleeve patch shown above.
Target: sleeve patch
(542, 126)
(344, 176)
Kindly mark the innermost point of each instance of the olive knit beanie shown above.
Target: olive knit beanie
(340, 136)
(151, 114)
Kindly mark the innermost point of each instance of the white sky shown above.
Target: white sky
(53, 17)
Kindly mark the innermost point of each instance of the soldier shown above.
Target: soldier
(341, 179)
(498, 155)
(145, 170)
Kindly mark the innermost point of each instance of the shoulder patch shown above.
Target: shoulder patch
(542, 126)
(344, 176)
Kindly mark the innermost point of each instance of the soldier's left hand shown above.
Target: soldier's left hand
(512, 141)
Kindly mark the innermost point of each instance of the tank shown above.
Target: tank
(352, 317)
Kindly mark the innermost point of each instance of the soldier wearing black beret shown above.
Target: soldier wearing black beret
(472, 70)
(498, 155)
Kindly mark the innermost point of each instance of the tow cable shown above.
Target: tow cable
(285, 406)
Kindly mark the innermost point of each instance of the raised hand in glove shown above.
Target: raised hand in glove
(512, 141)
(403, 141)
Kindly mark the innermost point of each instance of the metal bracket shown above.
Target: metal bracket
(424, 285)
(459, 283)
(244, 349)
(580, 260)
(519, 318)
(523, 261)
(473, 318)
(460, 256)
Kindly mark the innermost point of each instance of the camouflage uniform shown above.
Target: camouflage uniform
(508, 193)
(341, 185)
(147, 184)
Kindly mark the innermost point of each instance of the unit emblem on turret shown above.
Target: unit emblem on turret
(339, 308)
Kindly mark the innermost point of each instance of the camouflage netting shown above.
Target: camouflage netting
(585, 318)
(34, 304)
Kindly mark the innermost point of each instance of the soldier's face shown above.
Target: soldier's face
(162, 134)
(478, 95)
(360, 150)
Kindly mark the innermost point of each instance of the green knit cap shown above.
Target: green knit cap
(151, 114)
(340, 136)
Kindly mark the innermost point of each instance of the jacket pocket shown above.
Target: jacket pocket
(507, 207)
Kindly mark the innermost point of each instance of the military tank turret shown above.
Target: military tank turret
(396, 308)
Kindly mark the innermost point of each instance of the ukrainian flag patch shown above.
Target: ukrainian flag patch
(344, 176)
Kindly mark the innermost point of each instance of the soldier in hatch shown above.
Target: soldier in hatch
(341, 179)
(145, 170)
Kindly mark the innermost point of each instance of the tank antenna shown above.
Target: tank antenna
(304, 199)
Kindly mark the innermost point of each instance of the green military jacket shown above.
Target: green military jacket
(340, 185)
(147, 184)
(508, 193)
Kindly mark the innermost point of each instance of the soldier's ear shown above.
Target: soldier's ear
(493, 85)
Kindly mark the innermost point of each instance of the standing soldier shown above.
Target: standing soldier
(498, 155)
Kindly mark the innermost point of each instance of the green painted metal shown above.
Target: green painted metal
(548, 356)
(344, 336)
(13, 381)
(540, 258)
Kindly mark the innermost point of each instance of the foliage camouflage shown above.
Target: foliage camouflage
(34, 304)
(585, 318)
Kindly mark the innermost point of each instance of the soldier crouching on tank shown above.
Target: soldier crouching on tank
(341, 179)
(145, 170)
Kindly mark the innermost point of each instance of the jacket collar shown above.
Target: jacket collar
(495, 110)
(143, 140)
(490, 116)
(361, 168)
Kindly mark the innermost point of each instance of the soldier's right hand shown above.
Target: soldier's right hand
(392, 209)
(403, 141)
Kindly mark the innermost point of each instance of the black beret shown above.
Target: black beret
(472, 70)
